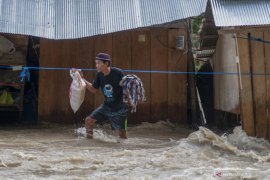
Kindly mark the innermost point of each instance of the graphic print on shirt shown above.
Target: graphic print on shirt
(108, 92)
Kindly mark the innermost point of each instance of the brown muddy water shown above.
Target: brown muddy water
(153, 151)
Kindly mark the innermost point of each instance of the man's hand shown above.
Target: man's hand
(80, 71)
(89, 86)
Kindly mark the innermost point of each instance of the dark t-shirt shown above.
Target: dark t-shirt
(110, 87)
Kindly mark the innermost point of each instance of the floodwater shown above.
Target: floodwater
(153, 151)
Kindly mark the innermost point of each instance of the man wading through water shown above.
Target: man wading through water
(113, 107)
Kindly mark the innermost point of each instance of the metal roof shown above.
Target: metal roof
(205, 53)
(241, 12)
(69, 19)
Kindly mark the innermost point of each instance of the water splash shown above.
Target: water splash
(237, 143)
(152, 151)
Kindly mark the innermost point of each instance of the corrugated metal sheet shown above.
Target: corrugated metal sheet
(241, 12)
(69, 19)
(205, 53)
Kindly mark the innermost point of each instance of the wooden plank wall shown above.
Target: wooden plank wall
(85, 58)
(177, 87)
(246, 88)
(255, 59)
(141, 44)
(267, 70)
(258, 84)
(143, 49)
(159, 94)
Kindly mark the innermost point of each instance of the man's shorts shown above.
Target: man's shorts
(117, 116)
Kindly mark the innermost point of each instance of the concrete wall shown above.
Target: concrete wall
(226, 89)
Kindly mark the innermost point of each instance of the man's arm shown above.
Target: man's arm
(90, 87)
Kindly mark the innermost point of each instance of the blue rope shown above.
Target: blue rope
(25, 71)
(54, 68)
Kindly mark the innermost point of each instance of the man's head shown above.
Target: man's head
(103, 61)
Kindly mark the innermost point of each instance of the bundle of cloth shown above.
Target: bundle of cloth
(133, 91)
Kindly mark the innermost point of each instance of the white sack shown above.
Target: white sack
(6, 46)
(77, 90)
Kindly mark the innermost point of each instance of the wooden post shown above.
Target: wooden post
(247, 114)
(259, 85)
(267, 71)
